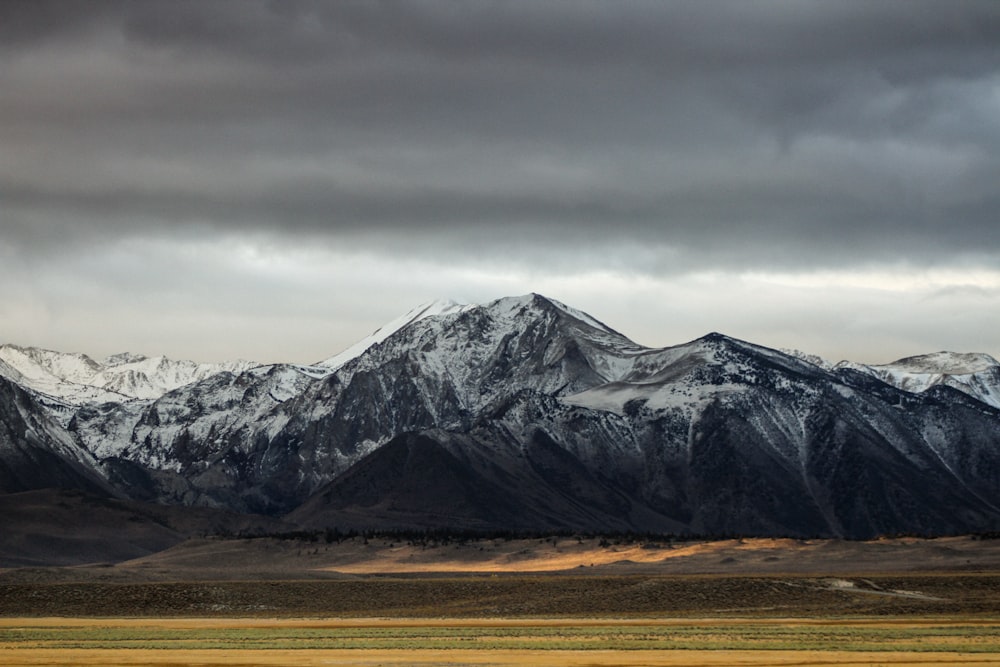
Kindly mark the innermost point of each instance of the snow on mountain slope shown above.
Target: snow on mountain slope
(150, 377)
(975, 374)
(77, 379)
(58, 377)
(683, 377)
(948, 363)
(430, 309)
(813, 359)
(205, 412)
(11, 373)
(439, 369)
(480, 352)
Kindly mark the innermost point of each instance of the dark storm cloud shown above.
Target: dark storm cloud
(752, 134)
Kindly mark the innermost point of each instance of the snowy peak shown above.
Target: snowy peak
(975, 374)
(123, 358)
(143, 377)
(944, 363)
(77, 379)
(423, 311)
(35, 363)
(536, 303)
(518, 311)
(511, 313)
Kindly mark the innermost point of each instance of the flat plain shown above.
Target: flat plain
(551, 601)
(496, 642)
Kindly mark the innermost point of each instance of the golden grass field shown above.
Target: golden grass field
(498, 642)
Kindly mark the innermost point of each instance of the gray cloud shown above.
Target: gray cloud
(649, 137)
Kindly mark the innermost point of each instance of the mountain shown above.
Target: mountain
(977, 375)
(527, 414)
(36, 452)
(431, 309)
(264, 440)
(48, 527)
(487, 479)
(713, 437)
(204, 443)
(65, 381)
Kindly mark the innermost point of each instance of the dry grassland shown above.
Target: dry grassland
(497, 642)
(475, 658)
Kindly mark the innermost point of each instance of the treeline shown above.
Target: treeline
(446, 536)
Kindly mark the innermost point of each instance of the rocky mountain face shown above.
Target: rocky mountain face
(527, 414)
(36, 452)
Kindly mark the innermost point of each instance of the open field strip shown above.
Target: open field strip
(220, 641)
(484, 658)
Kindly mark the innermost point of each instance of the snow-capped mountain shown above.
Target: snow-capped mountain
(977, 375)
(76, 379)
(526, 413)
(439, 370)
(430, 309)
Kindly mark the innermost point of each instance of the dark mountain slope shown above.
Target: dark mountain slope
(482, 480)
(37, 453)
(69, 527)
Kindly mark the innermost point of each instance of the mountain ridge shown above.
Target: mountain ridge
(564, 422)
(77, 379)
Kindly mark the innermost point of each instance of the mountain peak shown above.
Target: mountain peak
(430, 309)
(77, 379)
(975, 374)
(516, 304)
(124, 358)
(715, 337)
(945, 363)
(719, 341)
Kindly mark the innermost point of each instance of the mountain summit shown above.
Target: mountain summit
(527, 414)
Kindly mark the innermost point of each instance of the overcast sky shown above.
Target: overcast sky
(274, 180)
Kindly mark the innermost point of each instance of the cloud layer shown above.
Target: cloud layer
(305, 170)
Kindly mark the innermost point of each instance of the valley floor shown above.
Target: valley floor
(499, 642)
(546, 601)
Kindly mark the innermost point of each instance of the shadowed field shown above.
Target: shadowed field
(517, 596)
